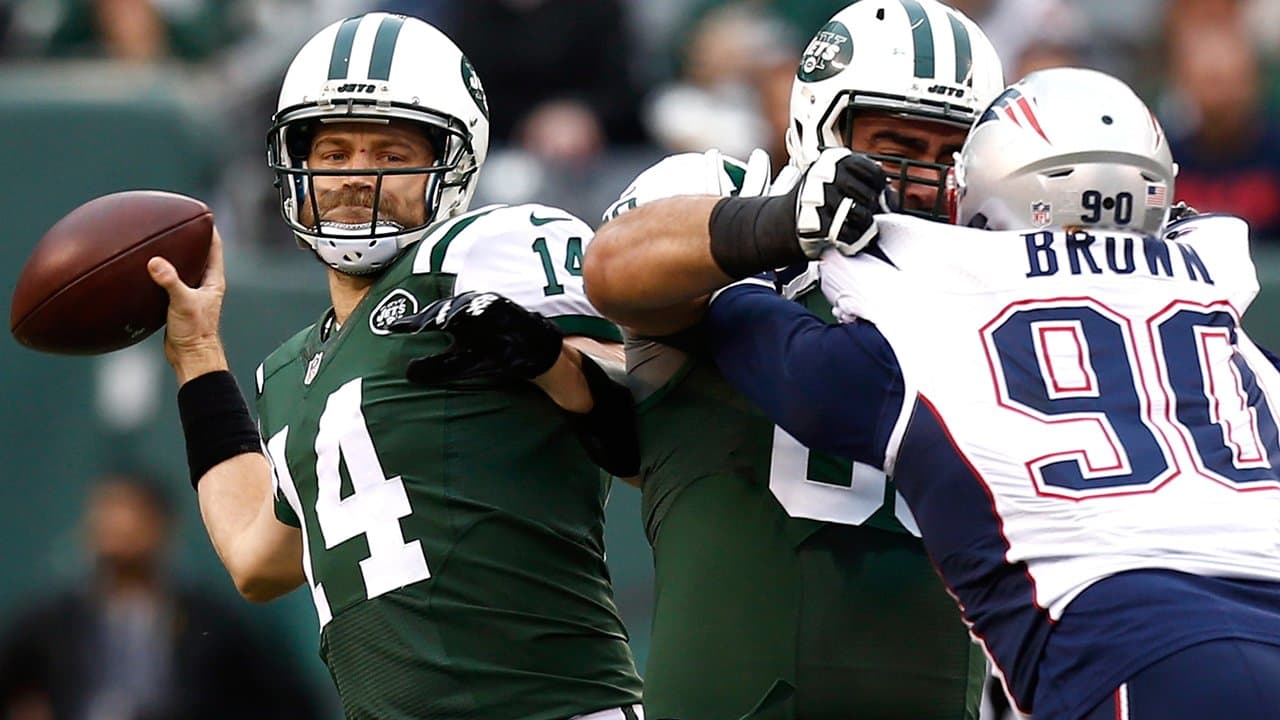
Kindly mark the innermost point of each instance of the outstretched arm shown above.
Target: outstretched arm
(497, 339)
(651, 268)
(232, 477)
(835, 388)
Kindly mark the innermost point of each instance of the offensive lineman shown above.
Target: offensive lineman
(1093, 455)
(789, 584)
(448, 525)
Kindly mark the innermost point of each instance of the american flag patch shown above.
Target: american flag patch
(1156, 195)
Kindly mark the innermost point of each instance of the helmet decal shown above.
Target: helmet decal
(472, 81)
(384, 46)
(340, 58)
(827, 54)
(1012, 105)
(922, 35)
(964, 51)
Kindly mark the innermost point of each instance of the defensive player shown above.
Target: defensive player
(1085, 434)
(448, 526)
(789, 583)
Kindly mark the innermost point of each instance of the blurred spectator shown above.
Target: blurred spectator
(557, 72)
(128, 644)
(1227, 148)
(128, 30)
(735, 88)
(1030, 35)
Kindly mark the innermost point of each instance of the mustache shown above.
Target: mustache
(389, 208)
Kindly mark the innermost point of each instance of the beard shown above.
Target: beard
(351, 208)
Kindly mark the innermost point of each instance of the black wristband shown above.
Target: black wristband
(754, 235)
(608, 431)
(215, 422)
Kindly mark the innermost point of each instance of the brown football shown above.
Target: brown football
(85, 289)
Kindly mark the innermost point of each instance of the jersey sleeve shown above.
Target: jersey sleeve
(531, 254)
(283, 511)
(835, 388)
(708, 173)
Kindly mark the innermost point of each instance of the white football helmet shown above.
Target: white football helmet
(915, 58)
(1065, 148)
(374, 68)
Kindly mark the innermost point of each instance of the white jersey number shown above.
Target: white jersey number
(372, 510)
(806, 487)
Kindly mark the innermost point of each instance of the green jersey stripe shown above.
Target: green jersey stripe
(340, 60)
(964, 51)
(922, 33)
(441, 248)
(588, 325)
(384, 46)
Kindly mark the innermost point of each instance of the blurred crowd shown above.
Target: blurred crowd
(586, 92)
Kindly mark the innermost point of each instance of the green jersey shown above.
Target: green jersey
(789, 584)
(453, 538)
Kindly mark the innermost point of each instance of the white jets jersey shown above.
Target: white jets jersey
(1098, 387)
(529, 253)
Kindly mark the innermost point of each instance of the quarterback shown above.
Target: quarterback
(789, 583)
(1091, 451)
(427, 473)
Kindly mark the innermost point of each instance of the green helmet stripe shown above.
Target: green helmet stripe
(340, 60)
(964, 50)
(922, 33)
(384, 46)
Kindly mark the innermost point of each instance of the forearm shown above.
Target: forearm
(564, 382)
(651, 268)
(600, 410)
(260, 553)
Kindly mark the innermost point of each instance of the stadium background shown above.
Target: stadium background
(177, 94)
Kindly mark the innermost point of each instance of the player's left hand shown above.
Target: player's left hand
(493, 338)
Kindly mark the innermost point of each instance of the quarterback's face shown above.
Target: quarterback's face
(360, 146)
(918, 140)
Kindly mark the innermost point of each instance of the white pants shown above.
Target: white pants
(630, 712)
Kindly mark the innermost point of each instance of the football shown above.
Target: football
(85, 289)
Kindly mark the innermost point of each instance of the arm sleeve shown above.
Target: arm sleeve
(835, 388)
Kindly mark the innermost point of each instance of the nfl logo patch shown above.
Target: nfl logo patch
(313, 367)
(1041, 214)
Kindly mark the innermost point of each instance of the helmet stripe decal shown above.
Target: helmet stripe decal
(922, 34)
(384, 46)
(340, 60)
(964, 51)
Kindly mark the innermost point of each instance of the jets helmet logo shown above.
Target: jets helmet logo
(397, 304)
(472, 81)
(828, 53)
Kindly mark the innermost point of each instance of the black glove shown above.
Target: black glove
(493, 338)
(836, 201)
(833, 204)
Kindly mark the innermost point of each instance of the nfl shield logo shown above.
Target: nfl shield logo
(1041, 214)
